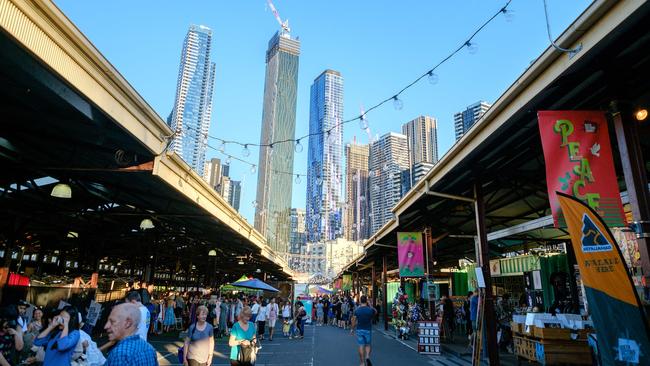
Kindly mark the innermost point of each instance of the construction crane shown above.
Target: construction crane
(285, 24)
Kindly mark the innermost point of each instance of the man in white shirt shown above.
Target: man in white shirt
(145, 318)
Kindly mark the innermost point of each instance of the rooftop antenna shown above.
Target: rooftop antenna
(284, 25)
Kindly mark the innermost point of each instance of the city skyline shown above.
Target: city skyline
(243, 31)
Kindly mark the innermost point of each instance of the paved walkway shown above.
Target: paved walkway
(322, 346)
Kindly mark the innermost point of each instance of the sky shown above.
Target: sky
(378, 46)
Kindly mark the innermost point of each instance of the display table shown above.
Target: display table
(551, 347)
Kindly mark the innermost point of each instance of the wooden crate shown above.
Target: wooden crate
(552, 333)
(517, 327)
(562, 352)
(524, 348)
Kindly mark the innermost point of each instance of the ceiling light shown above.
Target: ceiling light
(72, 234)
(212, 253)
(258, 270)
(241, 262)
(641, 114)
(61, 190)
(146, 224)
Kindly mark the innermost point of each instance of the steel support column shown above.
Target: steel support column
(483, 260)
(384, 295)
(373, 287)
(636, 181)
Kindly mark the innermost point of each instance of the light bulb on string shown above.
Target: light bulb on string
(331, 136)
(397, 103)
(222, 146)
(228, 160)
(472, 47)
(245, 152)
(298, 147)
(319, 180)
(371, 174)
(298, 181)
(508, 14)
(363, 122)
(271, 149)
(355, 177)
(433, 78)
(254, 203)
(376, 187)
(253, 169)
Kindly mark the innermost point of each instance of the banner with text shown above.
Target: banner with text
(613, 302)
(410, 254)
(579, 162)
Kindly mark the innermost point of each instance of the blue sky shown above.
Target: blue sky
(378, 46)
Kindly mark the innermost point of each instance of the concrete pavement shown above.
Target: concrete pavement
(322, 346)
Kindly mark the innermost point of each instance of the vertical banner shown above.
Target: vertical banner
(614, 304)
(579, 163)
(410, 254)
(347, 282)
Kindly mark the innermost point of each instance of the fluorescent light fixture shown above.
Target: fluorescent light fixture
(212, 253)
(61, 190)
(146, 224)
(72, 234)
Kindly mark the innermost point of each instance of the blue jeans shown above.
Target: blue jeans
(364, 337)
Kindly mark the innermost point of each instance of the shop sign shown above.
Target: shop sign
(579, 162)
(613, 301)
(410, 254)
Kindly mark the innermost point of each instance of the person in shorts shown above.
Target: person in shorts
(362, 324)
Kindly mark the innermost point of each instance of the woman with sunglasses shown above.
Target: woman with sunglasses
(60, 337)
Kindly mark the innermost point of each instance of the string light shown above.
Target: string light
(363, 122)
(397, 103)
(245, 152)
(433, 78)
(298, 147)
(297, 180)
(253, 169)
(228, 160)
(472, 47)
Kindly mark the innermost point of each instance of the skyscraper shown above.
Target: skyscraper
(422, 136)
(464, 120)
(298, 237)
(190, 117)
(388, 158)
(324, 178)
(356, 223)
(274, 182)
(235, 194)
(214, 173)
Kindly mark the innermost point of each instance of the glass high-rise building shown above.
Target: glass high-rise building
(422, 136)
(388, 158)
(464, 120)
(324, 176)
(357, 199)
(192, 111)
(234, 196)
(275, 181)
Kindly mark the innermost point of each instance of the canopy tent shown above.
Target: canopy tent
(256, 284)
(320, 290)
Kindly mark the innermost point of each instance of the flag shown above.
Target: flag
(347, 282)
(613, 302)
(578, 157)
(409, 254)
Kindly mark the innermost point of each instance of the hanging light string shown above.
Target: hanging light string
(572, 51)
(362, 117)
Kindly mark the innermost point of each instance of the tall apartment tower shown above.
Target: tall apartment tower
(388, 158)
(190, 117)
(422, 137)
(324, 176)
(274, 181)
(357, 222)
(464, 120)
(298, 238)
(214, 173)
(234, 196)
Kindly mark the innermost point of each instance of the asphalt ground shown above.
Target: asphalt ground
(325, 345)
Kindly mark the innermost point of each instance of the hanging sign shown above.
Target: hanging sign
(347, 282)
(579, 162)
(410, 254)
(613, 302)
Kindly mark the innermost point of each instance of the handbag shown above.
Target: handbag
(247, 354)
(181, 349)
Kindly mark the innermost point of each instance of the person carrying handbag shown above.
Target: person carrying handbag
(242, 342)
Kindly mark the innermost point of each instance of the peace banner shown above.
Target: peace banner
(409, 254)
(613, 302)
(578, 158)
